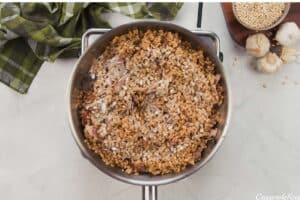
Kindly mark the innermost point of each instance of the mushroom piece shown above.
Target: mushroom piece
(288, 34)
(257, 45)
(269, 63)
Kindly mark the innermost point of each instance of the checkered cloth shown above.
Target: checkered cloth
(31, 33)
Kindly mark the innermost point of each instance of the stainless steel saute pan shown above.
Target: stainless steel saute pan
(79, 78)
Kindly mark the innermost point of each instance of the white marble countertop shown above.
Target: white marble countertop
(261, 153)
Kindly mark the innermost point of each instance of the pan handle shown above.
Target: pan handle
(214, 37)
(88, 33)
(199, 32)
(149, 192)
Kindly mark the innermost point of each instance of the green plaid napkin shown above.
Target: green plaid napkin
(31, 33)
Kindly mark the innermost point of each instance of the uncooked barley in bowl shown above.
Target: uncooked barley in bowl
(259, 16)
(153, 105)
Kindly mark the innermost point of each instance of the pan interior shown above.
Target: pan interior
(80, 81)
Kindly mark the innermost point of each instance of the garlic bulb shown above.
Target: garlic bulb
(286, 54)
(270, 63)
(288, 34)
(257, 45)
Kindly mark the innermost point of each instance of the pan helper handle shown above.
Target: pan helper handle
(149, 192)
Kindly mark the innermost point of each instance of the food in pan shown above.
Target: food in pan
(153, 104)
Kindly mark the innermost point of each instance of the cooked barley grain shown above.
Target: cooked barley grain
(153, 105)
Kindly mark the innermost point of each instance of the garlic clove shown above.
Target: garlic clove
(288, 54)
(288, 34)
(257, 45)
(270, 63)
(285, 53)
